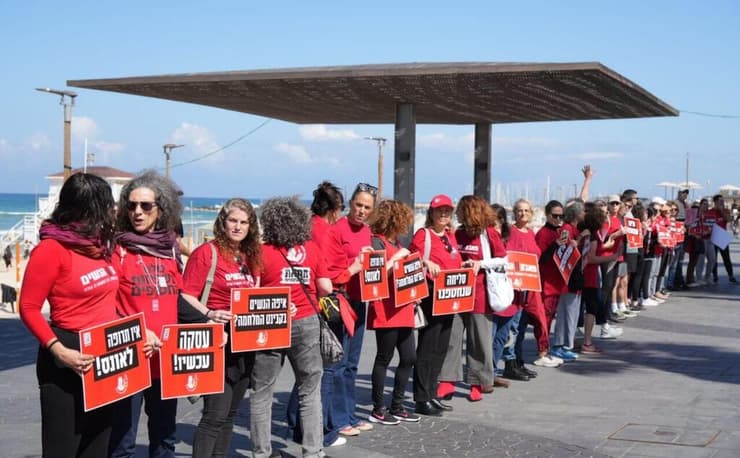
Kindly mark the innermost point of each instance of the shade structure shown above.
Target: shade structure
(729, 188)
(688, 185)
(441, 93)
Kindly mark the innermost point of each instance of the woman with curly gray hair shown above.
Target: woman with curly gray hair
(234, 258)
(290, 258)
(146, 261)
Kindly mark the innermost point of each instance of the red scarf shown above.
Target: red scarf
(72, 239)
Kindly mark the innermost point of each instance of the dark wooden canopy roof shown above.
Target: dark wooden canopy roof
(442, 93)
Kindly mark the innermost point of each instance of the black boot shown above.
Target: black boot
(511, 372)
(524, 369)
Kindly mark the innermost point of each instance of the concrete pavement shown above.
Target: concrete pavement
(668, 387)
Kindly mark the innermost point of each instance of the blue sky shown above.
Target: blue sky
(684, 52)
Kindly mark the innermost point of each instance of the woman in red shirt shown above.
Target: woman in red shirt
(75, 243)
(394, 326)
(236, 251)
(437, 245)
(476, 220)
(145, 259)
(290, 259)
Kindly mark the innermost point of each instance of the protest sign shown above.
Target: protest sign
(454, 292)
(261, 318)
(120, 367)
(566, 257)
(191, 360)
(523, 271)
(409, 281)
(373, 277)
(633, 229)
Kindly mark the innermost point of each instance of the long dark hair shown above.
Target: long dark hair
(501, 214)
(86, 207)
(326, 198)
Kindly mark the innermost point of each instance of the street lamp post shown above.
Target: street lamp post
(381, 145)
(68, 101)
(168, 147)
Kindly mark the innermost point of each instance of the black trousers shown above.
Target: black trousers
(66, 429)
(725, 260)
(636, 279)
(430, 351)
(387, 341)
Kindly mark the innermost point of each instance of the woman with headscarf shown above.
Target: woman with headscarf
(234, 255)
(291, 259)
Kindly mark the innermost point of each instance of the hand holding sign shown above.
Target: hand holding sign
(72, 358)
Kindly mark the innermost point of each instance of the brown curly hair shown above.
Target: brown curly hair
(474, 215)
(390, 218)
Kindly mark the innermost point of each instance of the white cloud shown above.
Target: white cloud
(295, 153)
(196, 138)
(319, 132)
(5, 147)
(448, 143)
(84, 128)
(107, 148)
(39, 142)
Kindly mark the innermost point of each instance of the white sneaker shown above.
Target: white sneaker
(548, 361)
(629, 313)
(649, 302)
(658, 300)
(702, 282)
(610, 333)
(693, 284)
(339, 441)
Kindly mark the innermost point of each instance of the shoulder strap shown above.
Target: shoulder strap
(211, 273)
(427, 244)
(300, 282)
(485, 244)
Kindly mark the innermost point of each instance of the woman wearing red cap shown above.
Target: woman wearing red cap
(437, 245)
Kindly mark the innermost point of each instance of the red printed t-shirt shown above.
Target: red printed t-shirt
(523, 241)
(277, 271)
(81, 291)
(320, 231)
(227, 276)
(446, 256)
(471, 249)
(708, 219)
(550, 277)
(384, 314)
(150, 285)
(345, 241)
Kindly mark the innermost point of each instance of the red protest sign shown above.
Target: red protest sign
(566, 257)
(678, 233)
(633, 229)
(373, 277)
(523, 271)
(191, 360)
(120, 368)
(409, 281)
(261, 318)
(665, 239)
(454, 292)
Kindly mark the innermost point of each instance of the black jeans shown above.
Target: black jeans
(636, 279)
(725, 259)
(213, 435)
(387, 341)
(430, 351)
(66, 429)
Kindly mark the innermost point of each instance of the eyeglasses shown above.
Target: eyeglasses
(368, 188)
(446, 241)
(145, 206)
(557, 215)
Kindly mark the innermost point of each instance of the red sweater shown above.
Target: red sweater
(344, 243)
(470, 249)
(150, 285)
(552, 280)
(227, 276)
(81, 291)
(305, 259)
(384, 314)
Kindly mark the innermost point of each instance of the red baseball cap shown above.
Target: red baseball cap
(441, 200)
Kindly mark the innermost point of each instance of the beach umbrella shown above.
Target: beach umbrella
(688, 185)
(665, 185)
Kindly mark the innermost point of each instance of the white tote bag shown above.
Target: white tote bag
(499, 290)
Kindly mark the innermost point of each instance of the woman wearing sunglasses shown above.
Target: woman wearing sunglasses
(236, 251)
(145, 258)
(347, 238)
(437, 245)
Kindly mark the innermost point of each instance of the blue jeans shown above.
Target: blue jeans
(675, 272)
(501, 328)
(344, 399)
(161, 423)
(512, 352)
(305, 359)
(331, 431)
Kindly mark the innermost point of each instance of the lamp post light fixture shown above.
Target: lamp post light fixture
(67, 101)
(381, 144)
(168, 147)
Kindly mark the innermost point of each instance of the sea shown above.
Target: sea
(198, 211)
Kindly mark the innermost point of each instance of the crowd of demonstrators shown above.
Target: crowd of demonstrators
(317, 253)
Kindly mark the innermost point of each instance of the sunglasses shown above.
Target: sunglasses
(446, 241)
(557, 215)
(368, 188)
(145, 206)
(614, 203)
